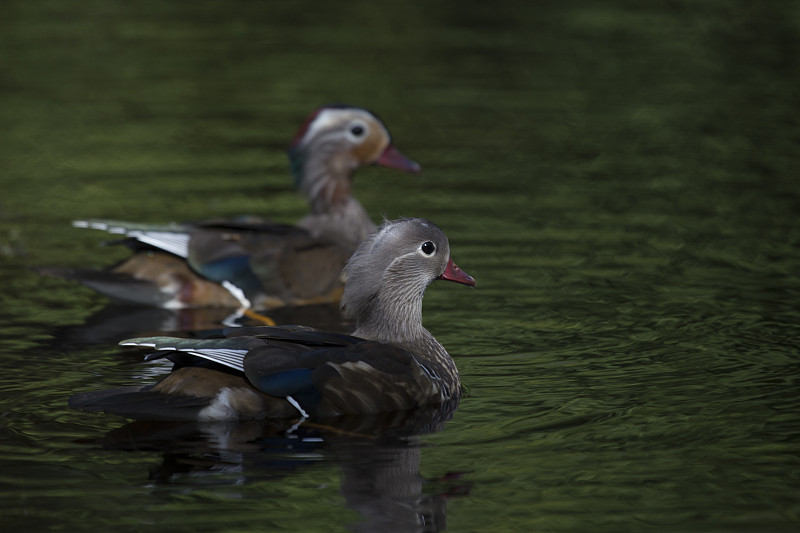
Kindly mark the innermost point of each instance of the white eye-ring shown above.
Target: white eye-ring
(357, 131)
(427, 248)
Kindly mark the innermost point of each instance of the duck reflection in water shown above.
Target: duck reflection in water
(379, 460)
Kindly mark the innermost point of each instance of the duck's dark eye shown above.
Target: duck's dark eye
(357, 130)
(428, 248)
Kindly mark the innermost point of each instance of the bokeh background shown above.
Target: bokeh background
(620, 177)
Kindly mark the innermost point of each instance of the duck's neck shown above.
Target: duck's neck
(347, 225)
(323, 174)
(328, 192)
(400, 323)
(395, 317)
(327, 182)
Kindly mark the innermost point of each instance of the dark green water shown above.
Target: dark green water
(621, 178)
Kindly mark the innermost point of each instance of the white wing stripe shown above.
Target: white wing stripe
(100, 225)
(230, 358)
(174, 243)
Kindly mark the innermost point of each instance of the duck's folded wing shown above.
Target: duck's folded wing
(359, 378)
(175, 238)
(223, 351)
(230, 350)
(172, 238)
(294, 333)
(285, 262)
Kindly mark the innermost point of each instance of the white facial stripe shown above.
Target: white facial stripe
(409, 254)
(399, 259)
(325, 119)
(329, 118)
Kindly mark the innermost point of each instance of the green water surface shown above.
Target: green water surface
(621, 178)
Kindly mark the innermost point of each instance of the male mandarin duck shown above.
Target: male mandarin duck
(259, 263)
(391, 363)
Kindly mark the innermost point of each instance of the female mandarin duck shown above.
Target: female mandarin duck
(391, 363)
(261, 264)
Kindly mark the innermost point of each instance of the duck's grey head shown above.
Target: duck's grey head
(336, 140)
(389, 272)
